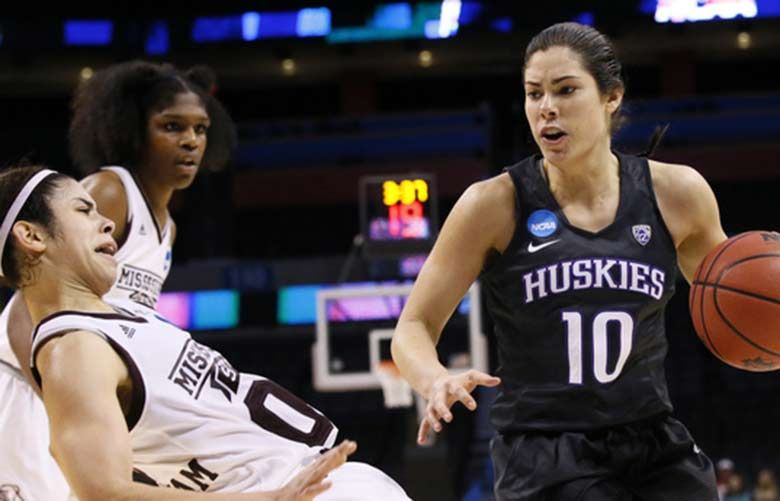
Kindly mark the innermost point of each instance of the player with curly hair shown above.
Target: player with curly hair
(140, 131)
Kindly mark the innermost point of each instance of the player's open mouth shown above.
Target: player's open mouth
(552, 135)
(108, 248)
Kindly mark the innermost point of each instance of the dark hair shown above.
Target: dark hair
(35, 210)
(597, 53)
(111, 110)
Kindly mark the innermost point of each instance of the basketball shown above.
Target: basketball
(735, 301)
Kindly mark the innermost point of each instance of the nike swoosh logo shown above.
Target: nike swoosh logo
(536, 248)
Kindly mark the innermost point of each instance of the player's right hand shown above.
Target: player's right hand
(311, 481)
(447, 390)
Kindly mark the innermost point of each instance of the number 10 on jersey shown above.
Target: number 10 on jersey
(598, 330)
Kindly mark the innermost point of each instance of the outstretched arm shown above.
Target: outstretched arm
(481, 220)
(82, 377)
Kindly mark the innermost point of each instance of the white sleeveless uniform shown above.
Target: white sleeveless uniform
(144, 259)
(143, 264)
(25, 464)
(197, 423)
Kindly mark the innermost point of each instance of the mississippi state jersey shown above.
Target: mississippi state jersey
(579, 316)
(6, 354)
(27, 469)
(144, 259)
(195, 422)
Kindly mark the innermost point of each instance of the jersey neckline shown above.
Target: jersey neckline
(160, 231)
(537, 172)
(117, 314)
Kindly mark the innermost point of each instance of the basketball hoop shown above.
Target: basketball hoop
(398, 393)
(396, 390)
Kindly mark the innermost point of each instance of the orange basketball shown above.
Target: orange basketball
(735, 301)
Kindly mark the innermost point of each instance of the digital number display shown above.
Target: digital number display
(405, 216)
(398, 214)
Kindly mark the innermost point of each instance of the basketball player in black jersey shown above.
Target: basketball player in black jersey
(577, 250)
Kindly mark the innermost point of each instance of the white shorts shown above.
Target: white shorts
(27, 470)
(358, 482)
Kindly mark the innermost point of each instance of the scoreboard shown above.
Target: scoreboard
(398, 214)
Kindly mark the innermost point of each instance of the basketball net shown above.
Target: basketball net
(398, 393)
(395, 389)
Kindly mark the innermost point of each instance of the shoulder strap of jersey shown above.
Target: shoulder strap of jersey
(530, 188)
(517, 173)
(642, 204)
(138, 203)
(132, 192)
(525, 189)
(637, 172)
(68, 321)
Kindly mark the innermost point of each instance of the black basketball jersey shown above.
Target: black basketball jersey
(579, 316)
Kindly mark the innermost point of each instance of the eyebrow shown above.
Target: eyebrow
(89, 204)
(555, 80)
(204, 117)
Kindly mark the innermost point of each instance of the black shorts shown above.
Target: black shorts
(654, 460)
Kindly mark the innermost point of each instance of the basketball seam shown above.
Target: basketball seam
(704, 326)
(736, 331)
(732, 242)
(734, 290)
(746, 293)
(743, 260)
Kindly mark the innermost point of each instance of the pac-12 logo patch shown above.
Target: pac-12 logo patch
(642, 233)
(542, 223)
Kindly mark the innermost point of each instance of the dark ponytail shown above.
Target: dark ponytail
(655, 140)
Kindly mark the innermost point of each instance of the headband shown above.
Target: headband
(16, 208)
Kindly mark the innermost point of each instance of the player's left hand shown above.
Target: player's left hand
(311, 481)
(447, 390)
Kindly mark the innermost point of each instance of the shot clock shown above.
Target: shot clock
(398, 214)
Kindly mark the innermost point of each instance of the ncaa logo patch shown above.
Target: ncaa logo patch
(167, 263)
(542, 223)
(642, 233)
